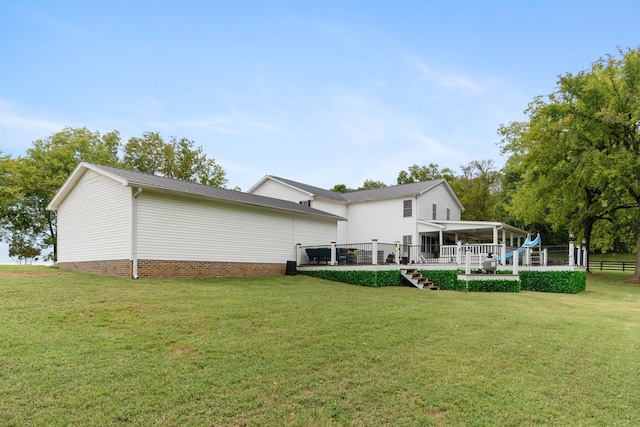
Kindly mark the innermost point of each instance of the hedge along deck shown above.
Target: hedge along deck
(557, 279)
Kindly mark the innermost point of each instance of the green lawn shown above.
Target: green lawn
(86, 350)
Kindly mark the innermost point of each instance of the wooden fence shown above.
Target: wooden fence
(612, 265)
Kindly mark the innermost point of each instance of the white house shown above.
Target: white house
(129, 224)
(426, 214)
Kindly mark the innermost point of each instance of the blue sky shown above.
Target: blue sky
(323, 92)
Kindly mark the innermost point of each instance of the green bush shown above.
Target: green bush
(444, 279)
(566, 282)
(375, 279)
(492, 285)
(539, 281)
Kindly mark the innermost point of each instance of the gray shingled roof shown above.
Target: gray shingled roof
(137, 179)
(396, 191)
(316, 191)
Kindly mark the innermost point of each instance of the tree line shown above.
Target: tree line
(572, 165)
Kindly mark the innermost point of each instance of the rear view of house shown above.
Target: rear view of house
(128, 224)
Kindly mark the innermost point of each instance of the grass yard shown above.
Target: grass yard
(78, 349)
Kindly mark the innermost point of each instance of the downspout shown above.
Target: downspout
(134, 233)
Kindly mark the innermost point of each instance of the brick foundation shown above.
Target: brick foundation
(148, 268)
(164, 269)
(118, 268)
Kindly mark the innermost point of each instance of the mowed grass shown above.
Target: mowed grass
(78, 349)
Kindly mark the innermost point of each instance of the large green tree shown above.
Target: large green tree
(35, 178)
(478, 188)
(415, 173)
(176, 158)
(577, 155)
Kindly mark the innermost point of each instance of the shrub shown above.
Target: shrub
(538, 281)
(374, 279)
(444, 279)
(492, 285)
(566, 282)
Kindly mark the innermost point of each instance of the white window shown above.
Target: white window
(434, 212)
(408, 208)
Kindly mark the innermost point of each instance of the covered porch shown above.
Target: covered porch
(442, 239)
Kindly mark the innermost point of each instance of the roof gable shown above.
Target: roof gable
(185, 188)
(309, 189)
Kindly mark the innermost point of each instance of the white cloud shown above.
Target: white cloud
(10, 119)
(19, 129)
(444, 80)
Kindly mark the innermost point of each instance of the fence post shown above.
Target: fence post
(503, 254)
(298, 253)
(374, 255)
(516, 261)
(527, 255)
(396, 252)
(545, 253)
(459, 253)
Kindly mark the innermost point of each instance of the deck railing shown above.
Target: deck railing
(375, 253)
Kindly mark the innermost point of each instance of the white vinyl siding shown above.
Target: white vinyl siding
(175, 228)
(94, 221)
(440, 197)
(380, 220)
(277, 190)
(313, 232)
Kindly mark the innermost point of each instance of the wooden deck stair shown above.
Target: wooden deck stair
(417, 279)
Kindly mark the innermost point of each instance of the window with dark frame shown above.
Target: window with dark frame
(408, 208)
(448, 214)
(434, 213)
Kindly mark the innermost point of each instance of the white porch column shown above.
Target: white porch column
(504, 236)
(495, 235)
(571, 251)
(510, 239)
(333, 253)
(298, 253)
(527, 256)
(440, 239)
(467, 261)
(503, 253)
(374, 255)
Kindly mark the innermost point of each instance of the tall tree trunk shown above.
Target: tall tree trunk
(588, 229)
(636, 274)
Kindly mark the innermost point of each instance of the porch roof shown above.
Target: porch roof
(475, 229)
